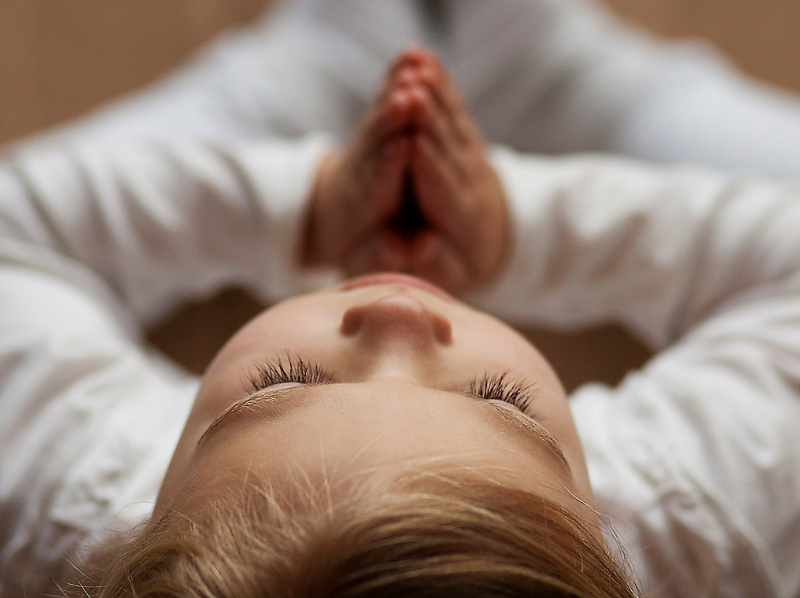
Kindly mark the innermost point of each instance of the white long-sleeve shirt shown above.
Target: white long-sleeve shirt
(695, 458)
(548, 76)
(94, 243)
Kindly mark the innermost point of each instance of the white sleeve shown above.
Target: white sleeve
(701, 110)
(549, 76)
(88, 419)
(598, 239)
(557, 76)
(163, 221)
(305, 67)
(93, 242)
(696, 458)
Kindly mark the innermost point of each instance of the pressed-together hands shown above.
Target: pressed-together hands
(414, 191)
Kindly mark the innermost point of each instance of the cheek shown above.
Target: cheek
(493, 345)
(278, 334)
(495, 349)
(273, 335)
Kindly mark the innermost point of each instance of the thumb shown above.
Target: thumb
(387, 187)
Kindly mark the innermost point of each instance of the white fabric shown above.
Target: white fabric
(547, 76)
(92, 245)
(695, 458)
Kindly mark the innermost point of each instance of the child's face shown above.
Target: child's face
(399, 358)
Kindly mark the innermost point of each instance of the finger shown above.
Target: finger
(380, 127)
(437, 184)
(443, 201)
(409, 57)
(381, 251)
(434, 257)
(385, 190)
(413, 56)
(419, 81)
(433, 74)
(372, 192)
(400, 71)
(381, 123)
(401, 108)
(434, 124)
(472, 216)
(437, 119)
(392, 110)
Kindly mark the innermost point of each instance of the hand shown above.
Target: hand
(356, 192)
(458, 194)
(414, 192)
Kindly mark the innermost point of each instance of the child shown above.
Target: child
(335, 418)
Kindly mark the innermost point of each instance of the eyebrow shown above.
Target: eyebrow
(254, 400)
(532, 428)
(523, 422)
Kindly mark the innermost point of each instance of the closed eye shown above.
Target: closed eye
(293, 369)
(287, 370)
(501, 388)
(271, 398)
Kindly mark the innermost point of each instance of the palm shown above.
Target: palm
(414, 192)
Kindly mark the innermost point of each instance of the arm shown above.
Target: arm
(575, 78)
(304, 67)
(660, 250)
(701, 110)
(695, 458)
(160, 222)
(91, 243)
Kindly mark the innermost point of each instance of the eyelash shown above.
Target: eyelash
(294, 369)
(500, 388)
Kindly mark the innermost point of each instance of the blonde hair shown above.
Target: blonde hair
(465, 537)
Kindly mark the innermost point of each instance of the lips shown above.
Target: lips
(394, 278)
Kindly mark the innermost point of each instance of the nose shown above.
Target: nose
(397, 319)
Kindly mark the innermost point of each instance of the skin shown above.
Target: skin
(416, 146)
(401, 356)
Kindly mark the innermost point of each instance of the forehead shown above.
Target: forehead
(373, 426)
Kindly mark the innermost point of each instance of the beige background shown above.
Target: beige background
(60, 59)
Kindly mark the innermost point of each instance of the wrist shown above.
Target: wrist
(318, 236)
(498, 231)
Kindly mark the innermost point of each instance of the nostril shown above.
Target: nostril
(442, 329)
(351, 322)
(396, 316)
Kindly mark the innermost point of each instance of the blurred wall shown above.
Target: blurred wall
(760, 36)
(60, 59)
